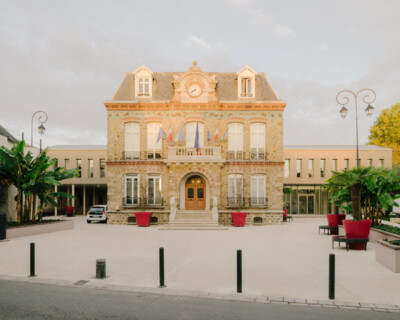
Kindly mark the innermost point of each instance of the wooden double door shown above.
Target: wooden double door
(195, 193)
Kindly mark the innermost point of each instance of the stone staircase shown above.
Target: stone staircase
(193, 220)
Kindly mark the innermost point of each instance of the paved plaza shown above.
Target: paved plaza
(288, 261)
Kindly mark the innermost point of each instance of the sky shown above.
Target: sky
(68, 57)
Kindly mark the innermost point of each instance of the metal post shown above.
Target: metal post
(32, 273)
(331, 276)
(161, 260)
(239, 270)
(100, 268)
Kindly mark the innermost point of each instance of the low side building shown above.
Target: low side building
(90, 187)
(307, 168)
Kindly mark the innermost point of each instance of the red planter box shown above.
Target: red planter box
(239, 218)
(358, 230)
(335, 220)
(69, 211)
(143, 218)
(285, 214)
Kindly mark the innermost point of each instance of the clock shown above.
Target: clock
(194, 90)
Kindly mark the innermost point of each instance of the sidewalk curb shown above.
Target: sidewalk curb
(211, 295)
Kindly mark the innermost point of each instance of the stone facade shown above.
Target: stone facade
(174, 100)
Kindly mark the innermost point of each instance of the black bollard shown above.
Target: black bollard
(239, 270)
(100, 268)
(32, 274)
(162, 282)
(331, 276)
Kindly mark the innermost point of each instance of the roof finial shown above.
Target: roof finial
(194, 63)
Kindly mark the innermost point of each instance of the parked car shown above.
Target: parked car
(97, 213)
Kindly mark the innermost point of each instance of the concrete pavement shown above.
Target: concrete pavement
(283, 263)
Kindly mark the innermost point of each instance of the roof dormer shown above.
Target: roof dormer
(246, 83)
(143, 82)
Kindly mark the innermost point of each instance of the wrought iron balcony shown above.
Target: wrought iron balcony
(130, 201)
(259, 154)
(235, 202)
(132, 155)
(153, 202)
(142, 202)
(235, 155)
(153, 154)
(258, 202)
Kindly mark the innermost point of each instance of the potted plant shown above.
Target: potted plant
(366, 193)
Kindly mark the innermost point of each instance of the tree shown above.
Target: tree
(368, 193)
(33, 178)
(386, 131)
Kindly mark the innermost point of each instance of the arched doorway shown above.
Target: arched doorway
(195, 193)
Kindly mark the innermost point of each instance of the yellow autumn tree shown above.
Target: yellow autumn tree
(386, 131)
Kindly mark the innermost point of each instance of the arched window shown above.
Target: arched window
(191, 134)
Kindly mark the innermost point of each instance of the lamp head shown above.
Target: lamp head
(343, 112)
(41, 129)
(369, 110)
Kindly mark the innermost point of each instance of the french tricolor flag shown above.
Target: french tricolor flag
(169, 135)
(216, 135)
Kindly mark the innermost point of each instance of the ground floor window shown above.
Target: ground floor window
(131, 190)
(235, 190)
(307, 199)
(257, 190)
(154, 190)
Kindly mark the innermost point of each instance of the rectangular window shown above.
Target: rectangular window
(102, 166)
(132, 190)
(191, 134)
(79, 167)
(310, 168)
(246, 87)
(369, 163)
(90, 168)
(257, 190)
(287, 168)
(322, 168)
(298, 168)
(235, 190)
(381, 163)
(66, 163)
(132, 140)
(154, 190)
(334, 164)
(257, 141)
(346, 164)
(144, 86)
(154, 147)
(235, 141)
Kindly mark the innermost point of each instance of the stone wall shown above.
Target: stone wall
(268, 218)
(121, 217)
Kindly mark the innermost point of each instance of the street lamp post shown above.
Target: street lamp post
(41, 128)
(342, 98)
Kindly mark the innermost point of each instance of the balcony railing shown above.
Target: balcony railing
(235, 155)
(142, 202)
(153, 154)
(235, 202)
(132, 155)
(258, 155)
(193, 154)
(258, 202)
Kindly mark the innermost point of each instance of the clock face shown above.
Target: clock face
(194, 90)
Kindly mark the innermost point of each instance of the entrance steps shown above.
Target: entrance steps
(193, 220)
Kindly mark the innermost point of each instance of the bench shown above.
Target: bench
(340, 239)
(328, 228)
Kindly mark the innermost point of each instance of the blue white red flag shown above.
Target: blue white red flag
(161, 134)
(196, 137)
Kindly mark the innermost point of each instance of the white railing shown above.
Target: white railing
(190, 153)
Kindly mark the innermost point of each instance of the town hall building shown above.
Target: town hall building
(195, 143)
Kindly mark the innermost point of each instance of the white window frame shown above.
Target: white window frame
(237, 185)
(257, 189)
(287, 168)
(257, 141)
(132, 140)
(310, 168)
(153, 146)
(322, 165)
(143, 82)
(299, 169)
(191, 134)
(334, 164)
(154, 177)
(235, 140)
(246, 83)
(132, 195)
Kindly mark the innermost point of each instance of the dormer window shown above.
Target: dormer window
(143, 82)
(144, 86)
(246, 82)
(246, 88)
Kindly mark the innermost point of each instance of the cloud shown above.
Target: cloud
(197, 41)
(284, 30)
(322, 46)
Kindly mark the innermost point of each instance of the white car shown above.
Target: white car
(97, 213)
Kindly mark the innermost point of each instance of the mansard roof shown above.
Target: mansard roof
(226, 89)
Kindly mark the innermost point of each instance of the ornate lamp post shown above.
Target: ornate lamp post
(342, 98)
(41, 128)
